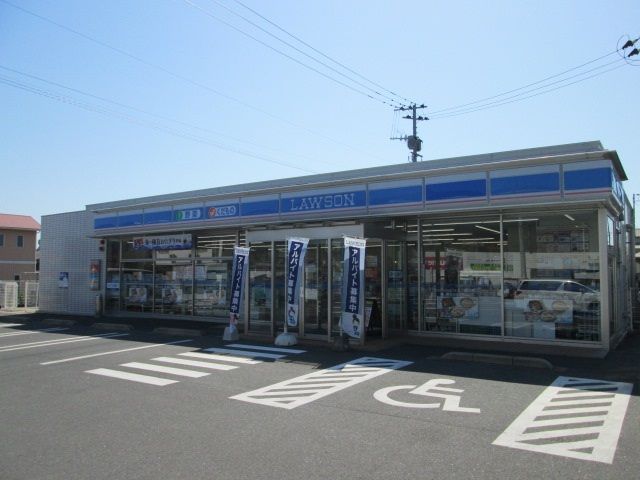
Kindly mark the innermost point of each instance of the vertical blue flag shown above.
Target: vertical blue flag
(240, 267)
(296, 248)
(352, 320)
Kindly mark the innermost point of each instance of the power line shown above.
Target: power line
(502, 101)
(293, 59)
(132, 119)
(321, 53)
(524, 98)
(304, 53)
(145, 112)
(188, 80)
(523, 87)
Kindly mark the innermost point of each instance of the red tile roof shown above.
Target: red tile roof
(18, 222)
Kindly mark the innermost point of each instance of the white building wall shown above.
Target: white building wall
(66, 246)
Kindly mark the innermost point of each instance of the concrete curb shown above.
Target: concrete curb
(59, 322)
(112, 326)
(533, 362)
(183, 332)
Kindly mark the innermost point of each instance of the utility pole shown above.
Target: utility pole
(414, 143)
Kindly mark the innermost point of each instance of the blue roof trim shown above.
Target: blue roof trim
(524, 184)
(397, 195)
(456, 190)
(588, 178)
(263, 207)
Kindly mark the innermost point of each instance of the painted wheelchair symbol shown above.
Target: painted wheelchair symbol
(431, 388)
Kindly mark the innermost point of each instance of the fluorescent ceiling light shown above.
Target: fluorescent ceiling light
(464, 223)
(521, 220)
(440, 230)
(487, 228)
(447, 234)
(468, 240)
(569, 217)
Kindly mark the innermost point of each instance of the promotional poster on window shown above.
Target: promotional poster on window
(296, 248)
(240, 267)
(163, 242)
(352, 320)
(541, 309)
(458, 308)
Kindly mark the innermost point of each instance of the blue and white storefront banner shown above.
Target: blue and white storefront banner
(352, 320)
(163, 242)
(296, 248)
(594, 179)
(240, 267)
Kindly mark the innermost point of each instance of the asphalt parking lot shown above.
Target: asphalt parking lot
(82, 402)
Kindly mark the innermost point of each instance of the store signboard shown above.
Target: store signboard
(163, 242)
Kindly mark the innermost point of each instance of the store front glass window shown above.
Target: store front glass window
(412, 285)
(211, 286)
(396, 285)
(137, 286)
(552, 276)
(173, 288)
(260, 275)
(112, 291)
(279, 297)
(462, 286)
(337, 266)
(215, 245)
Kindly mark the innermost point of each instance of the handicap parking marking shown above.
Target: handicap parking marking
(450, 397)
(301, 390)
(574, 417)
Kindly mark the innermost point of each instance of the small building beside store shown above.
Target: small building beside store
(531, 247)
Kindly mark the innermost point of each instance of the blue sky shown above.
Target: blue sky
(164, 97)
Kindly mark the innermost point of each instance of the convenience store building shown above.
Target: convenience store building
(530, 247)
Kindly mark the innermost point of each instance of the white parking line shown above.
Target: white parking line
(224, 358)
(51, 343)
(11, 325)
(135, 377)
(29, 332)
(247, 353)
(114, 352)
(266, 349)
(194, 363)
(161, 369)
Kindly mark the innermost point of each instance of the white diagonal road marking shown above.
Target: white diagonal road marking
(289, 395)
(573, 417)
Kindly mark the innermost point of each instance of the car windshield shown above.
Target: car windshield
(539, 285)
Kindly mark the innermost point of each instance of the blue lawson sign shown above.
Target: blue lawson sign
(328, 201)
